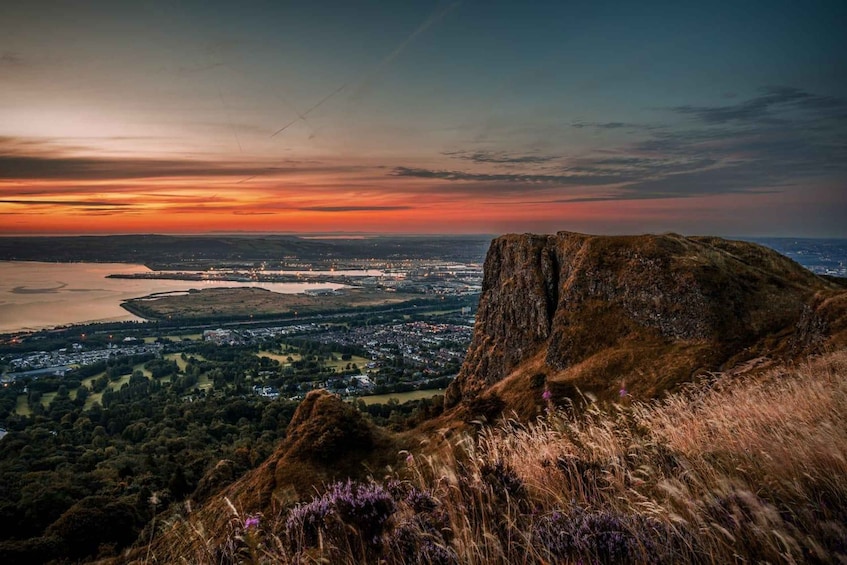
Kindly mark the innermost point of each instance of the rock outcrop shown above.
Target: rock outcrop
(602, 313)
(326, 440)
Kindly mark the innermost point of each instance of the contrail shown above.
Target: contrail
(229, 119)
(427, 23)
(388, 59)
(309, 110)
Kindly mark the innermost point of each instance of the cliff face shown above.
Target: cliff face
(595, 311)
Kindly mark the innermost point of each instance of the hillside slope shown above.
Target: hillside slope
(731, 469)
(618, 319)
(327, 440)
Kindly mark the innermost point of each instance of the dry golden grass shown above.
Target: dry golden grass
(731, 469)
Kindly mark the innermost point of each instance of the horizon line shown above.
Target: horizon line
(361, 234)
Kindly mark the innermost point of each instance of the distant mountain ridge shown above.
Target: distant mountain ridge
(177, 251)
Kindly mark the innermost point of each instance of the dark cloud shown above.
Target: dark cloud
(681, 142)
(103, 212)
(518, 178)
(766, 107)
(784, 152)
(781, 139)
(738, 179)
(636, 168)
(352, 208)
(499, 157)
(587, 172)
(614, 125)
(756, 159)
(70, 203)
(28, 159)
(104, 168)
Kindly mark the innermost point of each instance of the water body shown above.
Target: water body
(334, 273)
(36, 296)
(309, 272)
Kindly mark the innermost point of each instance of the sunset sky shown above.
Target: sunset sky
(477, 116)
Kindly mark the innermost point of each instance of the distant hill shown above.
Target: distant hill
(171, 251)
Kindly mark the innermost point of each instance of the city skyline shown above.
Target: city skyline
(423, 117)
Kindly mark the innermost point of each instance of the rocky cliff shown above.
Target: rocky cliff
(633, 315)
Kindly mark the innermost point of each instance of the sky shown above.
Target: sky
(471, 116)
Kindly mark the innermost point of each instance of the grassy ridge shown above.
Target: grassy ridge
(735, 469)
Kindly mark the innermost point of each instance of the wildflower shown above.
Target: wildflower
(251, 522)
(547, 395)
(622, 392)
(364, 506)
(410, 459)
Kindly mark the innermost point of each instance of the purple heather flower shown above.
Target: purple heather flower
(622, 392)
(251, 522)
(547, 395)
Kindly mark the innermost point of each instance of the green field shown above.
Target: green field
(88, 381)
(22, 407)
(192, 337)
(401, 396)
(339, 365)
(204, 382)
(178, 358)
(139, 367)
(47, 398)
(113, 385)
(98, 396)
(281, 357)
(180, 362)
